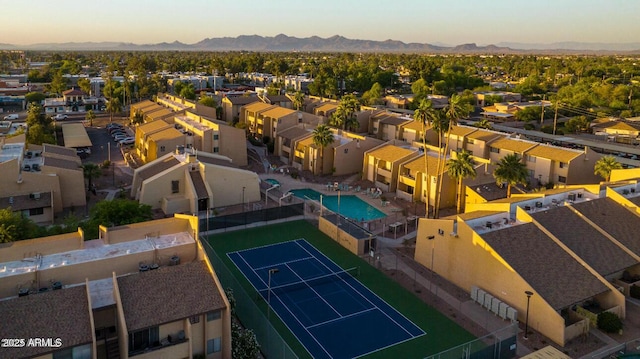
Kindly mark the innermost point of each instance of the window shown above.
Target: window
(162, 148)
(471, 141)
(142, 339)
(564, 165)
(216, 137)
(346, 150)
(532, 173)
(36, 211)
(213, 345)
(530, 158)
(562, 179)
(195, 319)
(79, 352)
(495, 150)
(216, 149)
(213, 315)
(175, 186)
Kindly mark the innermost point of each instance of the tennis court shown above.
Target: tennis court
(329, 311)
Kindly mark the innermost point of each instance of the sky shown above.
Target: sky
(448, 22)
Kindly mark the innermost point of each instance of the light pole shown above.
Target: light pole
(243, 198)
(526, 321)
(338, 207)
(271, 271)
(433, 249)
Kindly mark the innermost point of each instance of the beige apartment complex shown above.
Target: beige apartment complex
(144, 290)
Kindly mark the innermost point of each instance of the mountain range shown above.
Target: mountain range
(335, 44)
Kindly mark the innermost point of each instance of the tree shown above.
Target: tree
(244, 344)
(460, 168)
(208, 101)
(605, 165)
(36, 97)
(58, 84)
(91, 171)
(298, 100)
(114, 105)
(15, 227)
(425, 114)
(373, 95)
(40, 128)
(512, 171)
(187, 91)
(85, 85)
(90, 116)
(138, 118)
(322, 137)
(484, 123)
(115, 213)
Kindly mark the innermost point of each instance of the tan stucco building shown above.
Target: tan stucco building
(144, 290)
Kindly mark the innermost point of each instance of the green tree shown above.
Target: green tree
(460, 168)
(36, 97)
(244, 344)
(15, 227)
(114, 105)
(484, 123)
(115, 213)
(91, 171)
(512, 171)
(322, 137)
(298, 100)
(208, 101)
(420, 89)
(90, 116)
(424, 114)
(138, 118)
(40, 128)
(529, 114)
(605, 165)
(85, 85)
(188, 92)
(373, 96)
(58, 84)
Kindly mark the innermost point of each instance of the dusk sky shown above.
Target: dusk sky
(450, 22)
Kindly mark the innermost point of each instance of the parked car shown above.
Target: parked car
(114, 125)
(120, 137)
(115, 129)
(60, 117)
(10, 117)
(127, 141)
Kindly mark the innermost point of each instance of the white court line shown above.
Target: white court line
(346, 316)
(310, 287)
(365, 298)
(284, 263)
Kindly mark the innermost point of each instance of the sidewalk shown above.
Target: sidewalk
(472, 310)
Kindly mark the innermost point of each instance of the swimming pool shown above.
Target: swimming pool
(350, 205)
(272, 182)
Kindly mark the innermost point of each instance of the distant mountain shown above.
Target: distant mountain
(335, 43)
(574, 46)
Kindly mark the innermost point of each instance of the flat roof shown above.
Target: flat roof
(94, 250)
(11, 151)
(59, 150)
(75, 135)
(391, 153)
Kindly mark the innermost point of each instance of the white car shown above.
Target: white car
(60, 117)
(127, 141)
(13, 116)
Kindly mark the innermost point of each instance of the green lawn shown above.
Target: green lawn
(442, 333)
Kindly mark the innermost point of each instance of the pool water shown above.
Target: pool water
(272, 182)
(350, 205)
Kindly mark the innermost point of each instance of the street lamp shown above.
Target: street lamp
(433, 248)
(271, 271)
(526, 321)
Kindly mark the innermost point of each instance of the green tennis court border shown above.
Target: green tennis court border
(442, 333)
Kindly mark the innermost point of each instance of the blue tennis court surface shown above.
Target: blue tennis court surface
(330, 312)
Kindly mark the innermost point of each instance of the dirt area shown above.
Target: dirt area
(576, 348)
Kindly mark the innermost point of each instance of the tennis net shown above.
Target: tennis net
(315, 281)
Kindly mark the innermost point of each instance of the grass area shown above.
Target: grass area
(442, 333)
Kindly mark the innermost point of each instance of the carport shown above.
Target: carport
(75, 136)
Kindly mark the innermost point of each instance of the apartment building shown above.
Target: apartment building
(265, 120)
(231, 106)
(40, 182)
(187, 181)
(144, 290)
(570, 247)
(381, 164)
(386, 125)
(157, 138)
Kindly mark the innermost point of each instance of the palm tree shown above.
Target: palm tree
(298, 100)
(424, 114)
(511, 170)
(113, 106)
(605, 165)
(338, 118)
(90, 116)
(322, 137)
(454, 110)
(484, 123)
(91, 171)
(460, 168)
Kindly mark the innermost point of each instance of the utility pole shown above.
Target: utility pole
(542, 110)
(555, 119)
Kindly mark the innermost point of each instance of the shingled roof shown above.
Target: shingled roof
(168, 294)
(551, 271)
(585, 240)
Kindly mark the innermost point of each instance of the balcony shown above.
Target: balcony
(383, 172)
(408, 179)
(177, 348)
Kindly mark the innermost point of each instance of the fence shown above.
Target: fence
(497, 345)
(272, 344)
(257, 217)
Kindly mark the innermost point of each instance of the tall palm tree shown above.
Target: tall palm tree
(605, 165)
(460, 168)
(114, 105)
(298, 100)
(322, 137)
(424, 114)
(454, 110)
(91, 171)
(511, 170)
(90, 116)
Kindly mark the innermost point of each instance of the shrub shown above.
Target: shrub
(106, 164)
(529, 126)
(634, 291)
(609, 322)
